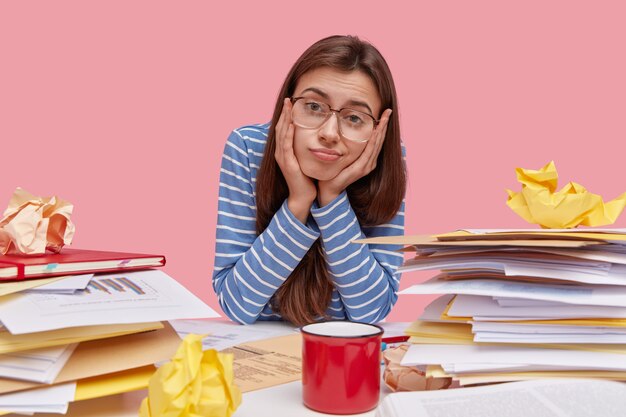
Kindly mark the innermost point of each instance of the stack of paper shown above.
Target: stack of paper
(521, 304)
(87, 336)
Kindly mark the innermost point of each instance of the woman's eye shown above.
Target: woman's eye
(313, 106)
(354, 119)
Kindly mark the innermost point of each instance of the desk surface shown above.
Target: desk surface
(278, 401)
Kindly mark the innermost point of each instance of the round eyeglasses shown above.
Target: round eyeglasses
(354, 125)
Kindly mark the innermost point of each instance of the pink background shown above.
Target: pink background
(123, 107)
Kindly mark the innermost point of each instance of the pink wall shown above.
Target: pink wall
(123, 107)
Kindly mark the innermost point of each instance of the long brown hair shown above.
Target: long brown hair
(375, 198)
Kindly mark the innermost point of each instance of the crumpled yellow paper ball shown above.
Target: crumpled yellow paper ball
(539, 202)
(31, 225)
(408, 378)
(193, 384)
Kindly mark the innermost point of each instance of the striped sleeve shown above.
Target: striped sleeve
(249, 268)
(364, 275)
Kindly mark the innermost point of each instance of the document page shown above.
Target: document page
(268, 362)
(433, 354)
(598, 295)
(224, 334)
(131, 297)
(553, 398)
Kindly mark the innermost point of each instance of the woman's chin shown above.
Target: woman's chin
(320, 175)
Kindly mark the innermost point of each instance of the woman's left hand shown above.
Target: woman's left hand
(329, 190)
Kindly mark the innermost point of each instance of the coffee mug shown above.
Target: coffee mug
(341, 366)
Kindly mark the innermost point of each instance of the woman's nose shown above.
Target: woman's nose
(329, 131)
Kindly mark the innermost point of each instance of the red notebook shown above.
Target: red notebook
(73, 262)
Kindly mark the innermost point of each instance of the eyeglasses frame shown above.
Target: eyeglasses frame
(335, 111)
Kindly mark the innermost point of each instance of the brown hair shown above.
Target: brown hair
(375, 198)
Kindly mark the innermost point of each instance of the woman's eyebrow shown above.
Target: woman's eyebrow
(316, 91)
(361, 104)
(326, 96)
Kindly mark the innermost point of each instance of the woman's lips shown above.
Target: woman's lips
(326, 155)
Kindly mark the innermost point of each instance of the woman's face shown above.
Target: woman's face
(322, 153)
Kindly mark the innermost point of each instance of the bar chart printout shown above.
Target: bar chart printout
(131, 297)
(111, 285)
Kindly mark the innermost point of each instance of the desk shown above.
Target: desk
(281, 400)
(277, 401)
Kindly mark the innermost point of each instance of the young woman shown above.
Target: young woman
(294, 194)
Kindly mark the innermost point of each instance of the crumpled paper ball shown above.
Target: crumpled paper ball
(193, 384)
(408, 378)
(31, 225)
(540, 203)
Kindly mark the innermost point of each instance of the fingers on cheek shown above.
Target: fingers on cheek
(370, 166)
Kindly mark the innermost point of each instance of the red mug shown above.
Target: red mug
(341, 366)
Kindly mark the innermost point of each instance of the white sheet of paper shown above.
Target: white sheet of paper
(601, 274)
(38, 365)
(615, 275)
(490, 337)
(434, 310)
(394, 328)
(540, 398)
(579, 294)
(508, 266)
(69, 283)
(484, 308)
(224, 334)
(524, 302)
(527, 328)
(594, 255)
(598, 255)
(40, 400)
(460, 368)
(130, 297)
(427, 354)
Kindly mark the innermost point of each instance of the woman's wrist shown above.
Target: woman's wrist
(326, 195)
(324, 199)
(300, 208)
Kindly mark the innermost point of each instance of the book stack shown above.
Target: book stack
(96, 332)
(521, 304)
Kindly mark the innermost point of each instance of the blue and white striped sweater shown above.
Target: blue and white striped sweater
(249, 268)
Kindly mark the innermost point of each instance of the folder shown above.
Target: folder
(599, 235)
(111, 384)
(107, 356)
(462, 239)
(116, 383)
(73, 261)
(10, 343)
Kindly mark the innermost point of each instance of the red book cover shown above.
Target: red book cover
(73, 262)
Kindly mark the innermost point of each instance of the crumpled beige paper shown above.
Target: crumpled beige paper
(193, 384)
(408, 378)
(573, 205)
(31, 225)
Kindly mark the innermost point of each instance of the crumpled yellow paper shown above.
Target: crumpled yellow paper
(31, 225)
(573, 205)
(408, 378)
(193, 384)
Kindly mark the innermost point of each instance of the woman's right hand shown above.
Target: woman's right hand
(302, 190)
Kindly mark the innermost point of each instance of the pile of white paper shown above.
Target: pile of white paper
(521, 304)
(38, 321)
